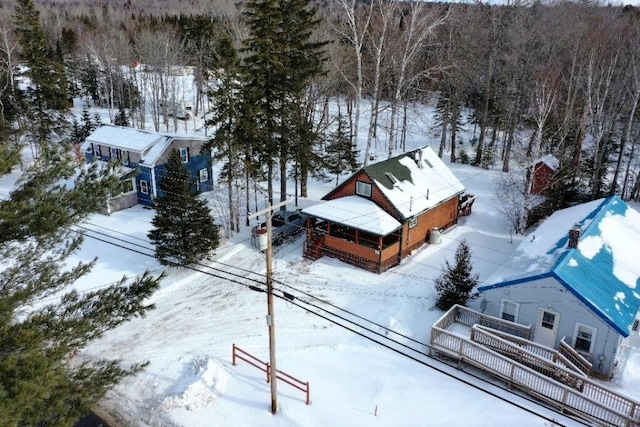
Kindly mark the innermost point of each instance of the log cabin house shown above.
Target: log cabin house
(384, 211)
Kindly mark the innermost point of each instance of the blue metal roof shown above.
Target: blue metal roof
(602, 271)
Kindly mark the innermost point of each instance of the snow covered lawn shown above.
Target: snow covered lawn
(188, 338)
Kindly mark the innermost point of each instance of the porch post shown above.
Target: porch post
(379, 254)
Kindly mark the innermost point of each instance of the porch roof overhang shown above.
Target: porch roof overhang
(356, 212)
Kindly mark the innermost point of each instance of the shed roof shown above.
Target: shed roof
(602, 271)
(357, 212)
(549, 160)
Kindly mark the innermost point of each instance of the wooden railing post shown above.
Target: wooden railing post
(268, 372)
(233, 355)
(308, 395)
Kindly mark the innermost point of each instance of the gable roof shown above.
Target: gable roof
(602, 271)
(124, 138)
(413, 181)
(150, 145)
(357, 212)
(550, 160)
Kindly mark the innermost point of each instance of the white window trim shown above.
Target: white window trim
(185, 157)
(206, 175)
(144, 186)
(515, 314)
(593, 330)
(360, 188)
(133, 186)
(413, 222)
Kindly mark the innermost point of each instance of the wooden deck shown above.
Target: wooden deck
(560, 384)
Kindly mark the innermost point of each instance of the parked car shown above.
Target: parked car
(283, 225)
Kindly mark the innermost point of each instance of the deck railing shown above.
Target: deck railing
(576, 358)
(544, 353)
(593, 402)
(468, 317)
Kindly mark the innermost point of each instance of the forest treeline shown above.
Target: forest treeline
(532, 79)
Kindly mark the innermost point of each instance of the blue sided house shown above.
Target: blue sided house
(575, 281)
(147, 152)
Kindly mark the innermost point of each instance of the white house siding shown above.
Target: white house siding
(549, 294)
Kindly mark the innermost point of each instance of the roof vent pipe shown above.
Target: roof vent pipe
(574, 236)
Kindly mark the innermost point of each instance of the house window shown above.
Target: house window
(128, 186)
(509, 310)
(96, 150)
(203, 175)
(548, 320)
(584, 338)
(115, 153)
(184, 154)
(144, 187)
(413, 222)
(363, 189)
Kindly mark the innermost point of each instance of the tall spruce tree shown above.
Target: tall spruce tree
(280, 63)
(42, 321)
(341, 155)
(457, 282)
(46, 99)
(184, 231)
(228, 145)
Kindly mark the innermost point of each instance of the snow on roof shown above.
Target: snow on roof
(549, 160)
(124, 138)
(415, 181)
(150, 145)
(602, 271)
(356, 212)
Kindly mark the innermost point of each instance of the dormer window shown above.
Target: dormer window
(393, 179)
(184, 154)
(363, 189)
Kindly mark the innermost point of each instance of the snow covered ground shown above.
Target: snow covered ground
(188, 338)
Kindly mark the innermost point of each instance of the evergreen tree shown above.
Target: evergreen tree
(341, 155)
(183, 231)
(121, 118)
(46, 98)
(457, 282)
(228, 146)
(280, 63)
(42, 321)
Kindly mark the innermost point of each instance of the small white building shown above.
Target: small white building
(575, 279)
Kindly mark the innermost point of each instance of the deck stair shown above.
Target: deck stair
(313, 249)
(528, 367)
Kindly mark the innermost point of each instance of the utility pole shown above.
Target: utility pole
(270, 314)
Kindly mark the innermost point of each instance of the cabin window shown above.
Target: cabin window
(363, 189)
(509, 310)
(184, 154)
(413, 222)
(203, 175)
(96, 150)
(584, 338)
(144, 187)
